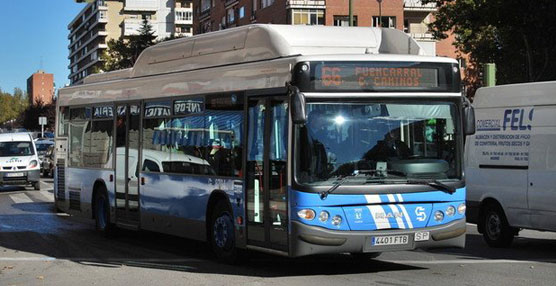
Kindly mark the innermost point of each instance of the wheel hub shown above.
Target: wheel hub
(493, 226)
(221, 231)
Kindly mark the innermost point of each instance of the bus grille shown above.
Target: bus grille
(61, 182)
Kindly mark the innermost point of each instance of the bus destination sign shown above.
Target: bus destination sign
(379, 76)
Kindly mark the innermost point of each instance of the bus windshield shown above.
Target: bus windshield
(376, 143)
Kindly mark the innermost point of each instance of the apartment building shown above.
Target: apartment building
(102, 20)
(412, 16)
(40, 88)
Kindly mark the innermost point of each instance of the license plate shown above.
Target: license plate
(390, 240)
(422, 236)
(14, 175)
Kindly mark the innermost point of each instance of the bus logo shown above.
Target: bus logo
(420, 213)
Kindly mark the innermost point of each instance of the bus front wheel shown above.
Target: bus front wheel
(221, 233)
(496, 230)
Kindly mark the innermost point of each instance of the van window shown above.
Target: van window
(16, 149)
(150, 166)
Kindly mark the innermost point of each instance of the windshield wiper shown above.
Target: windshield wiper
(338, 183)
(435, 184)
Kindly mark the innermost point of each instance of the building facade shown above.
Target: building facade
(102, 20)
(40, 88)
(409, 15)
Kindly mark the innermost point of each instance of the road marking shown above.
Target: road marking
(119, 260)
(465, 261)
(49, 196)
(20, 198)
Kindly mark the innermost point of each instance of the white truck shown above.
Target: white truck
(510, 162)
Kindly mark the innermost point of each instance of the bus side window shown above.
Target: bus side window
(150, 166)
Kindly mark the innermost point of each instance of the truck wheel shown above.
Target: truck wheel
(102, 214)
(221, 233)
(496, 230)
(37, 186)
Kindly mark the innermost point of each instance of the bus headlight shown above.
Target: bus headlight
(450, 211)
(323, 216)
(438, 216)
(336, 220)
(462, 208)
(307, 214)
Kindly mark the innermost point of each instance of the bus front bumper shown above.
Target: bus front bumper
(308, 240)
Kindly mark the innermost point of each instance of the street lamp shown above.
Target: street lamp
(379, 13)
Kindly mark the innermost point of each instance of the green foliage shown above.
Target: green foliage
(517, 35)
(29, 118)
(123, 53)
(11, 106)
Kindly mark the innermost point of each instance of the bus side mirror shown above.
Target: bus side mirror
(299, 114)
(468, 118)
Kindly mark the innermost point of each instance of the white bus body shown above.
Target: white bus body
(511, 161)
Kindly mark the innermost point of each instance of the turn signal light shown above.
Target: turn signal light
(307, 214)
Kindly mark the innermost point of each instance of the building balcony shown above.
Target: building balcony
(183, 16)
(141, 5)
(204, 14)
(417, 5)
(183, 4)
(318, 4)
(229, 3)
(131, 27)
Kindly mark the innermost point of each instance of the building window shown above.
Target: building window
(205, 5)
(344, 21)
(102, 14)
(307, 17)
(231, 15)
(266, 3)
(184, 16)
(387, 22)
(242, 12)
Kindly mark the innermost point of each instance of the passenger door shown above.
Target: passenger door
(127, 163)
(266, 177)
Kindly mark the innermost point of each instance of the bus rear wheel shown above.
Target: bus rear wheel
(102, 214)
(496, 230)
(221, 233)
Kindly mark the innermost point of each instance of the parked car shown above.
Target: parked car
(42, 149)
(19, 161)
(511, 161)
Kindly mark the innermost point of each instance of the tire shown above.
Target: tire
(102, 214)
(365, 256)
(496, 230)
(37, 186)
(221, 233)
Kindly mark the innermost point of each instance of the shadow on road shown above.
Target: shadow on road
(523, 249)
(152, 250)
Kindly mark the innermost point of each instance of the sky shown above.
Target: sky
(33, 36)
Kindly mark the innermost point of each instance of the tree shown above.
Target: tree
(12, 106)
(516, 35)
(123, 53)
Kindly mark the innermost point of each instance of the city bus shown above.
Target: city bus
(291, 140)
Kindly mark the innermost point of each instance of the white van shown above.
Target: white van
(511, 161)
(19, 162)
